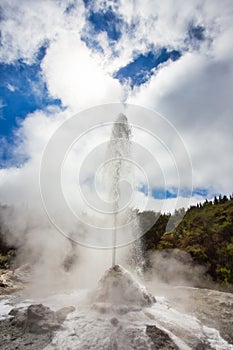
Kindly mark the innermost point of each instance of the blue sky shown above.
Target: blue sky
(23, 91)
(176, 60)
(142, 67)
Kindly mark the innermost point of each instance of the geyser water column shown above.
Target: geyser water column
(74, 165)
(118, 152)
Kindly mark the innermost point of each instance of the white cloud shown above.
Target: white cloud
(10, 87)
(71, 71)
(19, 185)
(27, 25)
(194, 92)
(169, 205)
(76, 76)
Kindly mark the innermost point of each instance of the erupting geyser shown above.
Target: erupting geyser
(119, 175)
(119, 146)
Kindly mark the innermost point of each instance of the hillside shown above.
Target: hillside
(206, 232)
(7, 253)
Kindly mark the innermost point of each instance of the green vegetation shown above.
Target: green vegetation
(6, 252)
(6, 258)
(206, 233)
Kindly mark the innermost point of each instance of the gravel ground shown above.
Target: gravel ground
(31, 327)
(13, 337)
(213, 308)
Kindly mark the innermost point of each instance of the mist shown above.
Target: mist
(56, 212)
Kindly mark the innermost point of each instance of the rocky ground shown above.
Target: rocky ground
(14, 280)
(31, 328)
(160, 340)
(26, 328)
(213, 308)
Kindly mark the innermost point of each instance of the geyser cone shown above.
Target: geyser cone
(118, 286)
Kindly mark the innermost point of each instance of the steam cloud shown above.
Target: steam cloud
(57, 262)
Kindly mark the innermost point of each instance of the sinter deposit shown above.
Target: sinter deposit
(118, 286)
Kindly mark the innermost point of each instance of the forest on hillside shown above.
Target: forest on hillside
(206, 233)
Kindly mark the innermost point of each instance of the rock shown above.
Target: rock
(39, 312)
(13, 337)
(8, 282)
(2, 284)
(19, 317)
(102, 307)
(114, 321)
(6, 279)
(31, 328)
(62, 313)
(160, 339)
(39, 319)
(22, 273)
